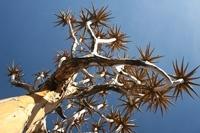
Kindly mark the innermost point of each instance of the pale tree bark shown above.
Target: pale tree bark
(25, 113)
(18, 113)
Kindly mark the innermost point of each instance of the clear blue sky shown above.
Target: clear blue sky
(28, 36)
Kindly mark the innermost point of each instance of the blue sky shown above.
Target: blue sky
(28, 36)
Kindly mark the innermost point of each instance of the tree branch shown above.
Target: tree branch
(76, 43)
(94, 48)
(119, 69)
(18, 83)
(86, 61)
(88, 91)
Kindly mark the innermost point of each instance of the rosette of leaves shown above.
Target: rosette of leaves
(155, 95)
(60, 55)
(15, 70)
(63, 18)
(130, 106)
(121, 39)
(98, 126)
(121, 123)
(181, 72)
(99, 17)
(146, 54)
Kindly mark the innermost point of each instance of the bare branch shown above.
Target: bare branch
(21, 84)
(60, 112)
(97, 40)
(84, 71)
(119, 70)
(96, 109)
(40, 78)
(88, 91)
(112, 62)
(61, 61)
(76, 43)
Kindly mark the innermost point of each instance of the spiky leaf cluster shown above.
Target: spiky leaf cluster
(139, 73)
(121, 123)
(15, 70)
(46, 73)
(121, 39)
(181, 72)
(130, 106)
(63, 18)
(156, 96)
(99, 17)
(98, 126)
(60, 55)
(147, 54)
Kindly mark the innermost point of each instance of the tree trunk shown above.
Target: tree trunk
(25, 113)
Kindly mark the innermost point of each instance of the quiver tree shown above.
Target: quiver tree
(95, 68)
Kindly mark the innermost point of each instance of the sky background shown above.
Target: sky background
(28, 36)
